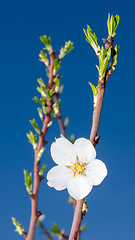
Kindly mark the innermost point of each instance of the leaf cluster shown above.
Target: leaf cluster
(112, 24)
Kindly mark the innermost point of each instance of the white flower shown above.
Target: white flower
(77, 168)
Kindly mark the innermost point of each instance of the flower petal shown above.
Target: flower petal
(79, 187)
(96, 171)
(62, 152)
(58, 177)
(85, 149)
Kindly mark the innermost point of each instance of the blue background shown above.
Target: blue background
(111, 205)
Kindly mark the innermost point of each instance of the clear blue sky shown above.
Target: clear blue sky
(111, 205)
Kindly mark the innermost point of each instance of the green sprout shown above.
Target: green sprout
(112, 24)
(28, 183)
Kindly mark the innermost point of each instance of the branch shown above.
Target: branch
(94, 140)
(34, 197)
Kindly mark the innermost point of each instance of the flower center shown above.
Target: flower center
(78, 168)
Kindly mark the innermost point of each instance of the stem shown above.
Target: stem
(95, 123)
(96, 116)
(36, 184)
(76, 220)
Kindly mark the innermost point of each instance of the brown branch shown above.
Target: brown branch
(94, 140)
(34, 197)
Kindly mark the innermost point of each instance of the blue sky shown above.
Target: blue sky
(111, 205)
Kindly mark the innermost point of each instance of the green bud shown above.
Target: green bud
(41, 90)
(35, 125)
(55, 229)
(42, 170)
(112, 24)
(43, 58)
(56, 66)
(47, 41)
(95, 93)
(19, 227)
(40, 113)
(49, 124)
(41, 82)
(28, 184)
(92, 39)
(32, 139)
(67, 48)
(44, 109)
(56, 107)
(39, 155)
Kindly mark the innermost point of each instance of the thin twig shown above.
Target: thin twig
(34, 197)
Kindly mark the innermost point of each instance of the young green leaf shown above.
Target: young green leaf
(42, 170)
(43, 58)
(67, 48)
(47, 41)
(35, 125)
(40, 113)
(112, 24)
(92, 40)
(40, 154)
(55, 229)
(19, 227)
(95, 93)
(56, 66)
(56, 107)
(28, 183)
(32, 139)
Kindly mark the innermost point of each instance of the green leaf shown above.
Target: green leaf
(19, 227)
(28, 183)
(95, 93)
(103, 61)
(94, 89)
(56, 66)
(92, 39)
(115, 52)
(47, 41)
(39, 155)
(41, 82)
(67, 48)
(112, 24)
(56, 107)
(40, 113)
(32, 139)
(35, 125)
(43, 58)
(37, 100)
(55, 229)
(42, 170)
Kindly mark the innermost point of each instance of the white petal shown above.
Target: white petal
(58, 177)
(62, 152)
(85, 149)
(49, 184)
(79, 187)
(96, 171)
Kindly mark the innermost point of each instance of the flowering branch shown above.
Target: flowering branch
(104, 74)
